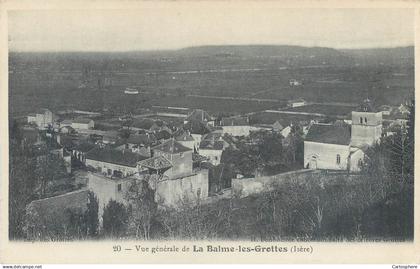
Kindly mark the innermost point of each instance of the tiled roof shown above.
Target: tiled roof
(107, 155)
(56, 207)
(172, 147)
(158, 162)
(329, 134)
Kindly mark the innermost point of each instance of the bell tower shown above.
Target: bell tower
(366, 127)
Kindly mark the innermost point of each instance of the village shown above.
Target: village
(190, 156)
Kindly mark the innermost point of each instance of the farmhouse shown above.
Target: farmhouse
(340, 146)
(42, 118)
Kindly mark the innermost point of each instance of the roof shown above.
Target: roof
(198, 158)
(143, 123)
(235, 121)
(329, 134)
(84, 147)
(184, 136)
(211, 144)
(156, 163)
(107, 155)
(197, 127)
(142, 139)
(172, 147)
(54, 208)
(200, 115)
(366, 106)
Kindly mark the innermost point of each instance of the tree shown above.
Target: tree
(21, 180)
(91, 215)
(115, 219)
(143, 207)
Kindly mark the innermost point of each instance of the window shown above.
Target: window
(360, 163)
(215, 158)
(338, 159)
(119, 187)
(109, 172)
(365, 120)
(361, 120)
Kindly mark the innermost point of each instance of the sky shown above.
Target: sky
(166, 28)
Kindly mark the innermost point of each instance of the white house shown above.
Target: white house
(42, 118)
(82, 123)
(237, 126)
(296, 102)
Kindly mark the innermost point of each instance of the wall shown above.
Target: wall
(181, 163)
(189, 144)
(212, 154)
(355, 158)
(243, 187)
(106, 189)
(368, 131)
(326, 155)
(126, 170)
(172, 192)
(239, 130)
(84, 126)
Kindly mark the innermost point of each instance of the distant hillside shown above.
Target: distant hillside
(394, 56)
(260, 51)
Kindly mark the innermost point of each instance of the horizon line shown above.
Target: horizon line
(198, 46)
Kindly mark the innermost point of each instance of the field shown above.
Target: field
(198, 79)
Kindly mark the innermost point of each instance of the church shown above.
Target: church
(340, 146)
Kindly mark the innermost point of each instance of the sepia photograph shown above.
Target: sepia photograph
(229, 124)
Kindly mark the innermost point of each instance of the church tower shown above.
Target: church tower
(366, 127)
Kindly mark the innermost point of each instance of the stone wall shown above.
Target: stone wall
(243, 187)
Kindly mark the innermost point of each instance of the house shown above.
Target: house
(178, 155)
(296, 102)
(294, 82)
(386, 110)
(201, 115)
(106, 188)
(174, 177)
(197, 130)
(186, 139)
(113, 163)
(43, 118)
(213, 149)
(341, 146)
(139, 143)
(237, 126)
(83, 123)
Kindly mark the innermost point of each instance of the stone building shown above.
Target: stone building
(340, 146)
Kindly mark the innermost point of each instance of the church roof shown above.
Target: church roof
(329, 134)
